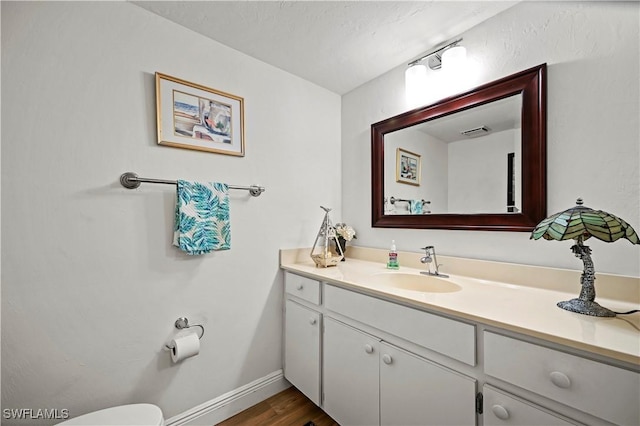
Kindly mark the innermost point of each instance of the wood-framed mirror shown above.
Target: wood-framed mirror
(431, 176)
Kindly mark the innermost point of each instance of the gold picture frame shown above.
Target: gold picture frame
(408, 167)
(196, 117)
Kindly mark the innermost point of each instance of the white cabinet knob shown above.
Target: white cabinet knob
(560, 379)
(368, 349)
(500, 412)
(312, 321)
(300, 287)
(386, 358)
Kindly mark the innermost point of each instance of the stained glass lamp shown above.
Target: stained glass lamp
(580, 223)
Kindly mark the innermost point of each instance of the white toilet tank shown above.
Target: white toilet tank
(131, 415)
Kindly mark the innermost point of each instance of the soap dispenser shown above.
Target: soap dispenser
(392, 263)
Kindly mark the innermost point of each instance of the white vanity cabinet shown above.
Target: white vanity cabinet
(454, 339)
(368, 359)
(369, 382)
(302, 349)
(602, 390)
(302, 334)
(350, 375)
(303, 288)
(415, 391)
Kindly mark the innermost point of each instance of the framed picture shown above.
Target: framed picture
(196, 117)
(407, 167)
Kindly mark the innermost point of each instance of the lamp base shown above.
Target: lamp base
(586, 307)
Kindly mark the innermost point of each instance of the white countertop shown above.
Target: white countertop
(520, 308)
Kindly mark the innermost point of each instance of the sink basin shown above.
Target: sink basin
(415, 282)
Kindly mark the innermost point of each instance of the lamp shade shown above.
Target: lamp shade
(581, 222)
(415, 81)
(454, 58)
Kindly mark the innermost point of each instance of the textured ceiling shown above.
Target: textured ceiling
(338, 45)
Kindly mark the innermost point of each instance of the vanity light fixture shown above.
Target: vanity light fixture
(435, 57)
(580, 223)
(450, 57)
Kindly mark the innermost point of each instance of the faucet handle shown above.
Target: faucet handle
(427, 248)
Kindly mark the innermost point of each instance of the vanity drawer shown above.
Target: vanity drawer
(449, 337)
(500, 408)
(302, 287)
(602, 390)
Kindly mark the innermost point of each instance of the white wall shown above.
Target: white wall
(91, 286)
(592, 53)
(478, 173)
(433, 156)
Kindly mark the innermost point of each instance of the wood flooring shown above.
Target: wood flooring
(287, 408)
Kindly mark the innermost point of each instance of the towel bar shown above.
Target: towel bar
(394, 200)
(131, 180)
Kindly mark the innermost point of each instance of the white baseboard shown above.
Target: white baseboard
(233, 402)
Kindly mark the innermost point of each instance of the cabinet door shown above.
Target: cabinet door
(302, 349)
(414, 391)
(350, 373)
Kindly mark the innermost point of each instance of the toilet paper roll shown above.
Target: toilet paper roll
(184, 347)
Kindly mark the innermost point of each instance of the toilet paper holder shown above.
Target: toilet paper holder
(182, 323)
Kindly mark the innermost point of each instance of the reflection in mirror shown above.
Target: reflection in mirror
(467, 162)
(492, 179)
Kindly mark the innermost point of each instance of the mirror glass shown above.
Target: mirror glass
(466, 162)
(472, 161)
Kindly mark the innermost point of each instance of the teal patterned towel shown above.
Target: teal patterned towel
(202, 220)
(415, 206)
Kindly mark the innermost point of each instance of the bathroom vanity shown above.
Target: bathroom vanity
(487, 346)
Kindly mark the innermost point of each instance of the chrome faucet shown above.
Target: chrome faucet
(430, 256)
